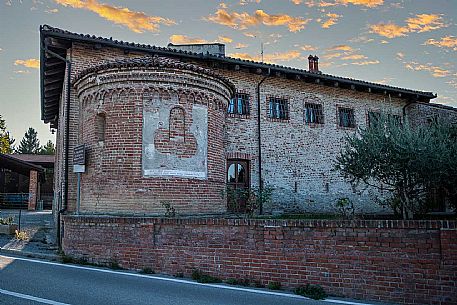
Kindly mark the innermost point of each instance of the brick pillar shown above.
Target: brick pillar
(33, 190)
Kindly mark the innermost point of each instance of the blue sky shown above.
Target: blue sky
(404, 43)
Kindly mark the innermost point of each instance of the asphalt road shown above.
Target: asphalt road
(28, 281)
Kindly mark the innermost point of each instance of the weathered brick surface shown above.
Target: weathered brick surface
(297, 159)
(33, 190)
(411, 262)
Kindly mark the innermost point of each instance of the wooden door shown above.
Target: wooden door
(237, 185)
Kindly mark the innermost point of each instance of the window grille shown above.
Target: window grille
(278, 109)
(314, 114)
(239, 104)
(346, 117)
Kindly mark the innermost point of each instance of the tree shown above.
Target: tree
(48, 149)
(408, 161)
(6, 141)
(29, 143)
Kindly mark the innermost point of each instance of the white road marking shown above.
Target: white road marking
(181, 281)
(31, 297)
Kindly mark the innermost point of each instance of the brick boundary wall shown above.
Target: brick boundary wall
(410, 262)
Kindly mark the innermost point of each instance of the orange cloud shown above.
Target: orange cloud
(241, 45)
(420, 23)
(435, 71)
(225, 39)
(308, 47)
(341, 47)
(244, 20)
(29, 63)
(364, 63)
(183, 39)
(333, 18)
(333, 55)
(389, 30)
(137, 22)
(322, 3)
(269, 58)
(424, 23)
(367, 3)
(354, 57)
(445, 42)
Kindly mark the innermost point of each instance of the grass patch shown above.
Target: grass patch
(315, 292)
(274, 286)
(198, 276)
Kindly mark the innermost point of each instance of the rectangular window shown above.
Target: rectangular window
(373, 118)
(346, 117)
(314, 114)
(278, 108)
(239, 104)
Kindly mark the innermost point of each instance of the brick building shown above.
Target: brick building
(169, 126)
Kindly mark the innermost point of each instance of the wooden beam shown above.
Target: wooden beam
(52, 87)
(52, 63)
(54, 72)
(51, 80)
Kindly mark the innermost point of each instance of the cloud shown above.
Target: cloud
(244, 2)
(361, 39)
(322, 3)
(389, 30)
(296, 2)
(367, 3)
(435, 71)
(225, 39)
(444, 42)
(183, 39)
(249, 34)
(400, 55)
(333, 55)
(52, 11)
(333, 18)
(425, 23)
(244, 20)
(29, 63)
(341, 47)
(22, 72)
(137, 22)
(364, 63)
(420, 23)
(269, 58)
(241, 45)
(308, 47)
(354, 57)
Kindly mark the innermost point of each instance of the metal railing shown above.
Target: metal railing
(14, 200)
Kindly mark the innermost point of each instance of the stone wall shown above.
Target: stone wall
(422, 113)
(407, 262)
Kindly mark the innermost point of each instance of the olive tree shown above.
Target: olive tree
(408, 161)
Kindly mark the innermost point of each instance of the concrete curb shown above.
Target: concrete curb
(51, 257)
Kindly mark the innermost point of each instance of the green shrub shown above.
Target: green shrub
(198, 276)
(6, 220)
(147, 270)
(274, 286)
(315, 292)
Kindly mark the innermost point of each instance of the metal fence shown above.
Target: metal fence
(14, 200)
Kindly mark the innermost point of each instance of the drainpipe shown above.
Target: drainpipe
(259, 139)
(67, 138)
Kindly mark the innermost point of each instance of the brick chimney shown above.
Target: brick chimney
(316, 63)
(311, 63)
